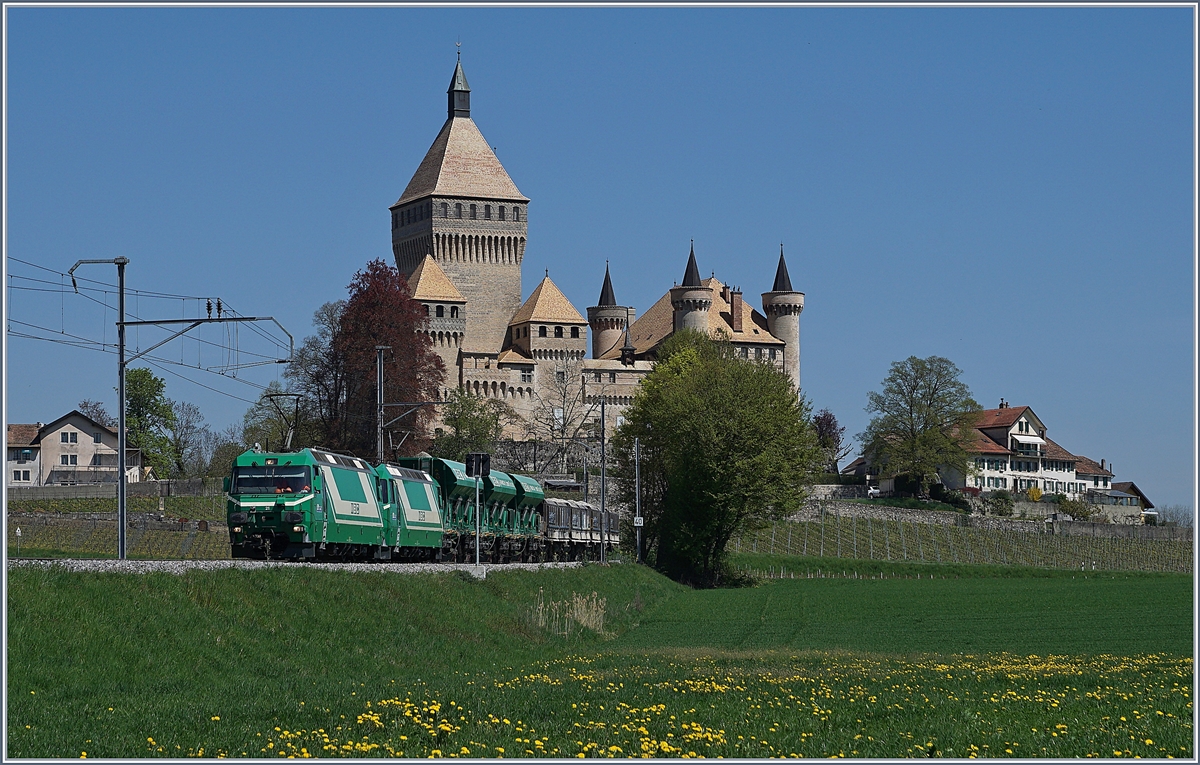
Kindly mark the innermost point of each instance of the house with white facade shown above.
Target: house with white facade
(74, 449)
(1012, 451)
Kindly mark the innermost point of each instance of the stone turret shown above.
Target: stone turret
(691, 300)
(607, 320)
(782, 306)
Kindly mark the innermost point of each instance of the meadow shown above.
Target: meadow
(601, 661)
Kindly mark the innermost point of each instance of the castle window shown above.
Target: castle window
(758, 354)
(394, 221)
(487, 212)
(612, 377)
(560, 376)
(772, 354)
(526, 375)
(426, 310)
(597, 377)
(500, 209)
(541, 331)
(558, 331)
(445, 210)
(516, 213)
(441, 311)
(453, 312)
(472, 212)
(458, 210)
(575, 332)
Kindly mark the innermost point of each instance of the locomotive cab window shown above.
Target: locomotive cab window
(272, 479)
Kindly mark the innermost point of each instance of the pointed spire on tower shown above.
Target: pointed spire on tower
(459, 94)
(783, 282)
(607, 297)
(691, 276)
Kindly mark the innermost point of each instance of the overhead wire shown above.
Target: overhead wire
(112, 288)
(105, 288)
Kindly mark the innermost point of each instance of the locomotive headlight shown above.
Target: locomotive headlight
(297, 529)
(237, 529)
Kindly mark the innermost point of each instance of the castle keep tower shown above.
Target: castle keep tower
(607, 320)
(691, 300)
(782, 306)
(462, 209)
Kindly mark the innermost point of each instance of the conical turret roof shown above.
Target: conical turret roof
(459, 80)
(691, 276)
(783, 282)
(607, 298)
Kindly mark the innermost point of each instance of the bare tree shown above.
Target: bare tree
(186, 434)
(97, 412)
(831, 437)
(562, 419)
(1181, 515)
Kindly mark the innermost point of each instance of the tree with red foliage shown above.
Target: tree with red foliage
(378, 311)
(381, 311)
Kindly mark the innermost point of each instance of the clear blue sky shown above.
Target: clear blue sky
(1009, 188)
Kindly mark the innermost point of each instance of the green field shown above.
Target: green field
(308, 662)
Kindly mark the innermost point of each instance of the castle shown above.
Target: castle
(459, 232)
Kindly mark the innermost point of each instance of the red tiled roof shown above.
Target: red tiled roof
(22, 435)
(1056, 452)
(1001, 418)
(1085, 466)
(981, 444)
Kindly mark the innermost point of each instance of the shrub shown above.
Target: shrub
(999, 502)
(952, 497)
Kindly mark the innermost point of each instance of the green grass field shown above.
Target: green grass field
(306, 662)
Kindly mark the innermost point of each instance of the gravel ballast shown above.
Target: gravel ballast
(182, 566)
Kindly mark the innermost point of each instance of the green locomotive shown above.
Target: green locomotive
(319, 505)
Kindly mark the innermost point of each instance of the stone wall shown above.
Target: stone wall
(817, 508)
(191, 487)
(837, 491)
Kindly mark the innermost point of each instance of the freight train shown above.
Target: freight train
(314, 504)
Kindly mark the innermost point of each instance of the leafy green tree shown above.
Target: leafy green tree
(471, 424)
(727, 446)
(149, 418)
(923, 423)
